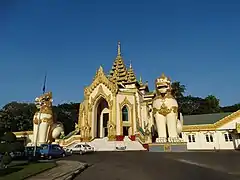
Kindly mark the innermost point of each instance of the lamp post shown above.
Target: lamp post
(36, 140)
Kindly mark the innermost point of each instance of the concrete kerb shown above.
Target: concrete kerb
(72, 175)
(30, 176)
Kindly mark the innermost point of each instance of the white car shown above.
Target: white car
(88, 148)
(80, 149)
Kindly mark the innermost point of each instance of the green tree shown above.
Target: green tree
(9, 144)
(178, 89)
(68, 115)
(232, 108)
(189, 105)
(213, 104)
(17, 116)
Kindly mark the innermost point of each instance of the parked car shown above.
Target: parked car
(80, 149)
(29, 152)
(52, 151)
(89, 148)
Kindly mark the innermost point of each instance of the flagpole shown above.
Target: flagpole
(36, 141)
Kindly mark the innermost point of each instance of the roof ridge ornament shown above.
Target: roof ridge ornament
(119, 49)
(130, 66)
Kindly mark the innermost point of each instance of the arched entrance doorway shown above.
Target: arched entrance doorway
(101, 118)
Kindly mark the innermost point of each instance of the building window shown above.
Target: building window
(209, 138)
(191, 138)
(228, 137)
(124, 113)
(180, 135)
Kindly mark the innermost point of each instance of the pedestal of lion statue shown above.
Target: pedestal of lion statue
(168, 147)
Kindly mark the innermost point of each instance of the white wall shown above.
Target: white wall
(218, 137)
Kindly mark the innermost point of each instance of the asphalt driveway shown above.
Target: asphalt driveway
(154, 166)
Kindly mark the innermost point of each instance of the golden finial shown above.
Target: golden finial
(163, 76)
(119, 48)
(140, 79)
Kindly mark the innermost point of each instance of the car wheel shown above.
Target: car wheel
(63, 155)
(80, 152)
(49, 157)
(71, 151)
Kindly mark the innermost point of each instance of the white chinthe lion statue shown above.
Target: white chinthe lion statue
(45, 128)
(165, 112)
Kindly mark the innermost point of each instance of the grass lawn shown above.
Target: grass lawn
(23, 171)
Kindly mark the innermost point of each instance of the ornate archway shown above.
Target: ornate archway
(100, 107)
(101, 118)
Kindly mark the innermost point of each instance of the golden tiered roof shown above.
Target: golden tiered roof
(118, 73)
(131, 77)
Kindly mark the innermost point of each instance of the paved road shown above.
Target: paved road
(166, 166)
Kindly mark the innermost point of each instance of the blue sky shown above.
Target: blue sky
(194, 42)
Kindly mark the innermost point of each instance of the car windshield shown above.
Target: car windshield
(45, 146)
(86, 145)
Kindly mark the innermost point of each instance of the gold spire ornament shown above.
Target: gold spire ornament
(131, 77)
(119, 48)
(118, 73)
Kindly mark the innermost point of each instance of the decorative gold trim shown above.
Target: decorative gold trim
(212, 127)
(164, 110)
(136, 111)
(100, 94)
(67, 142)
(127, 103)
(99, 78)
(80, 115)
(202, 127)
(23, 133)
(227, 119)
(126, 93)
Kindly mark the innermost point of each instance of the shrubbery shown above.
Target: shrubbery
(8, 145)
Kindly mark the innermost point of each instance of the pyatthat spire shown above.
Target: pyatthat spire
(119, 48)
(131, 77)
(118, 73)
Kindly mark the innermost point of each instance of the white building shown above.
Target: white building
(212, 131)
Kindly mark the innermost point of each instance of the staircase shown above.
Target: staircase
(126, 145)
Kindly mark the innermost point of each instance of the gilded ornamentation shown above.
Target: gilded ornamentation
(23, 133)
(238, 127)
(93, 103)
(136, 110)
(44, 106)
(45, 115)
(86, 132)
(111, 131)
(130, 113)
(81, 114)
(100, 94)
(100, 78)
(164, 110)
(90, 106)
(167, 147)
